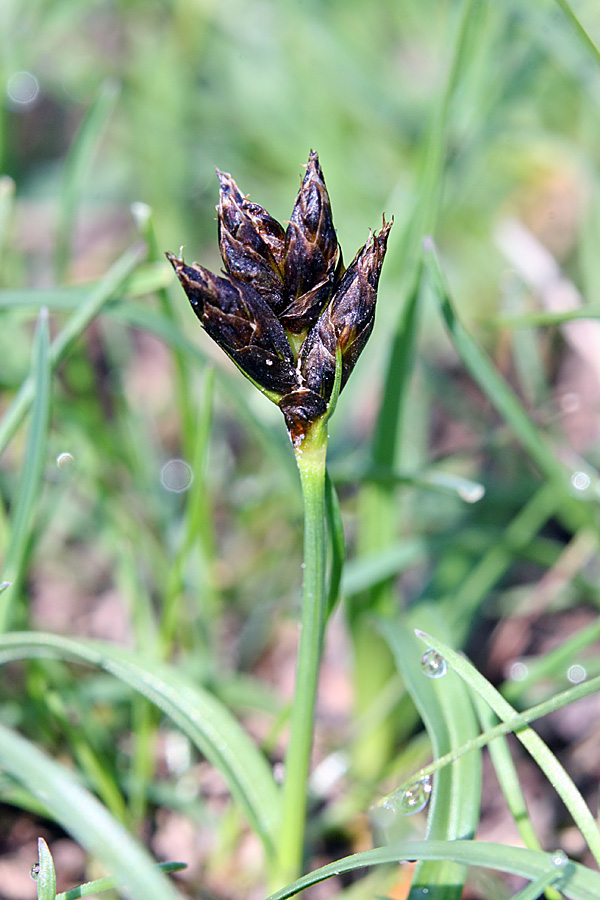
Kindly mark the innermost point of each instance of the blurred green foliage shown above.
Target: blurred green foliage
(454, 117)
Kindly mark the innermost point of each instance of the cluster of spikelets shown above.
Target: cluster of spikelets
(286, 308)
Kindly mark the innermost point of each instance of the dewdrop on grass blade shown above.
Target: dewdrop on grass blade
(576, 674)
(559, 859)
(407, 801)
(433, 664)
(415, 797)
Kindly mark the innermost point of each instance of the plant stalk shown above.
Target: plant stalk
(310, 457)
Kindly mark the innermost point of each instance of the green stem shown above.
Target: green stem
(310, 457)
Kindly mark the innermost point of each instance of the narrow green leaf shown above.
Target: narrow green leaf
(446, 710)
(492, 383)
(579, 883)
(205, 720)
(584, 37)
(373, 568)
(84, 818)
(46, 876)
(508, 778)
(147, 279)
(109, 884)
(62, 343)
(30, 483)
(548, 763)
(540, 886)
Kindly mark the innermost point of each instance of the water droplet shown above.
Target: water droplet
(5, 585)
(433, 665)
(576, 674)
(580, 481)
(35, 871)
(416, 796)
(471, 492)
(176, 476)
(64, 460)
(559, 859)
(269, 362)
(22, 88)
(518, 671)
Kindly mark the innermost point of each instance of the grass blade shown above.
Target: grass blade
(80, 814)
(46, 878)
(580, 31)
(204, 719)
(508, 779)
(109, 884)
(546, 760)
(446, 710)
(75, 326)
(492, 383)
(371, 569)
(579, 883)
(31, 477)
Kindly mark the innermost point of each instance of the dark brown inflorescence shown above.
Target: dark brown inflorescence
(286, 307)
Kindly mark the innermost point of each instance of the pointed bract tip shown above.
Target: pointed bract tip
(313, 165)
(175, 261)
(224, 177)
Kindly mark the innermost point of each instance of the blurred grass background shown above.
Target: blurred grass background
(109, 104)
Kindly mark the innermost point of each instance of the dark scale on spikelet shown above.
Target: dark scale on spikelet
(282, 284)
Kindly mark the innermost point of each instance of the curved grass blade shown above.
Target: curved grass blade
(511, 726)
(579, 30)
(30, 484)
(147, 279)
(109, 884)
(492, 383)
(364, 572)
(546, 760)
(577, 882)
(204, 719)
(84, 818)
(75, 326)
(446, 710)
(508, 779)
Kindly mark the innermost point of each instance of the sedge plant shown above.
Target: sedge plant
(294, 320)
